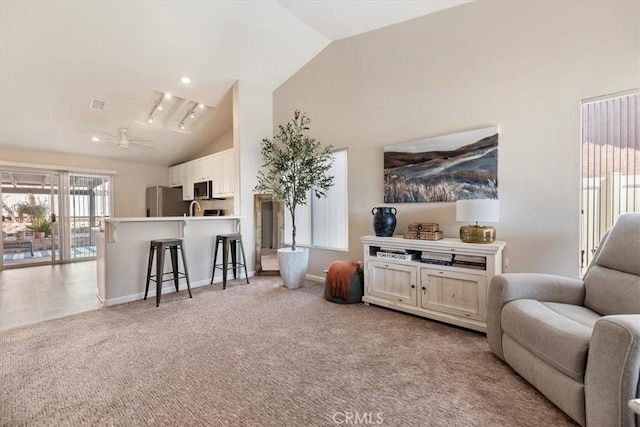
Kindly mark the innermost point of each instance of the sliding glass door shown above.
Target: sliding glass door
(51, 216)
(30, 203)
(89, 204)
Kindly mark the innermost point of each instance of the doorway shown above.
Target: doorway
(269, 229)
(51, 217)
(30, 203)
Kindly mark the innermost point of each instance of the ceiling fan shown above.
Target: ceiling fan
(122, 141)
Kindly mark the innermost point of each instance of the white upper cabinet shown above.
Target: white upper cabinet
(188, 180)
(204, 169)
(226, 174)
(176, 175)
(217, 168)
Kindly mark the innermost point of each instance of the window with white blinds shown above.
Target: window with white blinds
(324, 222)
(610, 165)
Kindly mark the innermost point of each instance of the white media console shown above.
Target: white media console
(450, 285)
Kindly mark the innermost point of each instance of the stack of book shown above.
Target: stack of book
(438, 258)
(470, 261)
(401, 254)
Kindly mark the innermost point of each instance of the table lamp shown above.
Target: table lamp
(477, 210)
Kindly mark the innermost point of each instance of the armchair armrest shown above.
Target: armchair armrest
(613, 370)
(542, 287)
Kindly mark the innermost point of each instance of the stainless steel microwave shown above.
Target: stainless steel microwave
(202, 190)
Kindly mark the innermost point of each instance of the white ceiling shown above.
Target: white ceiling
(56, 56)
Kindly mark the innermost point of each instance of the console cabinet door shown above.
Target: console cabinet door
(393, 282)
(460, 294)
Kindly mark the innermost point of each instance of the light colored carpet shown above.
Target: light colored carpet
(257, 355)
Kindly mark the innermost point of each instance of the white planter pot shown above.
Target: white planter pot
(293, 266)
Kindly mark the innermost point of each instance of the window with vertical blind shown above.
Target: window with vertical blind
(324, 222)
(610, 165)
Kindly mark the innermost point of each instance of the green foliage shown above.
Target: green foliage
(32, 207)
(293, 164)
(40, 225)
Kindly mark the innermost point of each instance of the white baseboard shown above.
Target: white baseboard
(314, 278)
(166, 289)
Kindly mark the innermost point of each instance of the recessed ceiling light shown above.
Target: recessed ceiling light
(201, 105)
(167, 96)
(185, 80)
(95, 139)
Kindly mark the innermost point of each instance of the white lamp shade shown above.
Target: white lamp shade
(477, 210)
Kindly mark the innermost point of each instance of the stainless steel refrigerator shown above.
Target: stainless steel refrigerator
(165, 201)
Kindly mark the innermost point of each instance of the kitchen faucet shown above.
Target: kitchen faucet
(191, 211)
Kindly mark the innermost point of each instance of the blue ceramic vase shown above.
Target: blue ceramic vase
(384, 220)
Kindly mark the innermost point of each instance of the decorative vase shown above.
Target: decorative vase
(293, 266)
(384, 220)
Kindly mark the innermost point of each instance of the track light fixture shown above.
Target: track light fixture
(157, 106)
(190, 114)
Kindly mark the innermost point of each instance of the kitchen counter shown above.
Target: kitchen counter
(123, 253)
(112, 224)
(171, 218)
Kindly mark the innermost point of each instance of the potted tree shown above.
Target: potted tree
(294, 165)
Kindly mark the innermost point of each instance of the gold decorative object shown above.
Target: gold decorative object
(477, 234)
(477, 210)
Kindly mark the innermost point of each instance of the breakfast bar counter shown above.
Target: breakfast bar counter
(123, 252)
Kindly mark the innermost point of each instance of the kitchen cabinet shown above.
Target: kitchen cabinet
(176, 176)
(188, 180)
(226, 171)
(445, 280)
(217, 168)
(204, 168)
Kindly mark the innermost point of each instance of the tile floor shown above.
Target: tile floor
(33, 294)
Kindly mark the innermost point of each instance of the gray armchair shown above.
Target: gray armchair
(577, 341)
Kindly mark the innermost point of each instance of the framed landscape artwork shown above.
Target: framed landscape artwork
(452, 167)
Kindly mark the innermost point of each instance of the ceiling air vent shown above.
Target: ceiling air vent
(97, 105)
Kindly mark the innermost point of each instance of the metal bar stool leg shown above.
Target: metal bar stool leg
(159, 274)
(225, 262)
(244, 261)
(215, 259)
(233, 246)
(173, 250)
(186, 271)
(151, 250)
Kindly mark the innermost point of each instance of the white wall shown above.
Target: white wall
(129, 183)
(524, 66)
(252, 121)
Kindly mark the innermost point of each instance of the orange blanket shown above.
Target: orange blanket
(339, 278)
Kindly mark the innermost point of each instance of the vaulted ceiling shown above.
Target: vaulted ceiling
(56, 57)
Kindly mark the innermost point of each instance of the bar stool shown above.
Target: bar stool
(160, 246)
(228, 242)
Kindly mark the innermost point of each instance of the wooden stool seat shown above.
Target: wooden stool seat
(159, 247)
(228, 242)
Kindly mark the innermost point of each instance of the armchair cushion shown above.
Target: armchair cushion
(612, 282)
(612, 292)
(541, 287)
(556, 333)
